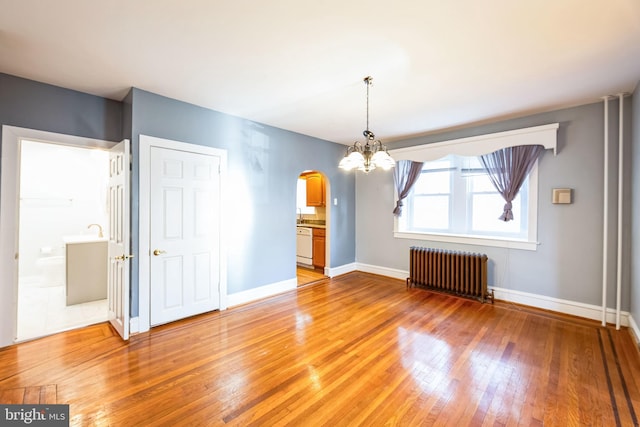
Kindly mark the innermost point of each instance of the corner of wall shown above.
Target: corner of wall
(634, 331)
(635, 204)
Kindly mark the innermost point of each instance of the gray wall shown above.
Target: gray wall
(34, 105)
(263, 165)
(568, 262)
(635, 248)
(567, 265)
(264, 162)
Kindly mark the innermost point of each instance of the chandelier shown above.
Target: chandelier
(372, 154)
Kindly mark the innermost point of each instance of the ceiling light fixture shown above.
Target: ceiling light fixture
(370, 155)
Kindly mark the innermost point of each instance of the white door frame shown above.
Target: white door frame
(10, 215)
(144, 251)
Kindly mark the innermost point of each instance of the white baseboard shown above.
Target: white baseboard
(239, 298)
(383, 271)
(280, 287)
(134, 325)
(573, 308)
(633, 326)
(343, 269)
(261, 292)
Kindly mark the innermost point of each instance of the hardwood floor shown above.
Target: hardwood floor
(29, 395)
(359, 349)
(308, 275)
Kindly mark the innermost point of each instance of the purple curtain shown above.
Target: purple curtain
(507, 170)
(405, 174)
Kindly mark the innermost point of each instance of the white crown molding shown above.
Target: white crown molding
(545, 135)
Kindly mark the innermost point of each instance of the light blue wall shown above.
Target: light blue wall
(127, 115)
(568, 262)
(264, 163)
(263, 166)
(34, 105)
(635, 244)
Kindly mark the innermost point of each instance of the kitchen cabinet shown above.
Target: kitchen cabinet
(315, 190)
(318, 247)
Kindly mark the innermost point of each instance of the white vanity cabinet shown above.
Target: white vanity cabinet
(86, 270)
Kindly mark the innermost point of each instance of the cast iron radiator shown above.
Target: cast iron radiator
(460, 273)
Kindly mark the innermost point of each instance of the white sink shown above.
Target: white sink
(87, 264)
(83, 238)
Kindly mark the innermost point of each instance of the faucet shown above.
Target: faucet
(99, 229)
(300, 220)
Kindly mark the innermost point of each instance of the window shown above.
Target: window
(429, 203)
(486, 204)
(454, 200)
(301, 199)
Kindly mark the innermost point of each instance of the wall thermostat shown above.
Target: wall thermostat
(561, 195)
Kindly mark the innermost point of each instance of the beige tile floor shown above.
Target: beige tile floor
(42, 310)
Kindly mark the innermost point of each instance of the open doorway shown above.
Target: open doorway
(63, 220)
(311, 227)
(12, 139)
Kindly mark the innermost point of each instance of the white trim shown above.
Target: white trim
(342, 269)
(144, 288)
(545, 135)
(588, 311)
(635, 332)
(382, 271)
(134, 325)
(265, 291)
(469, 240)
(261, 292)
(9, 214)
(144, 184)
(621, 201)
(605, 214)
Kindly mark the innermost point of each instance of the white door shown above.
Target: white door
(184, 238)
(118, 248)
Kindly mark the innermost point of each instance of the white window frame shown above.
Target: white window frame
(545, 135)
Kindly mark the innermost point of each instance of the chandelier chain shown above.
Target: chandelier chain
(368, 80)
(368, 83)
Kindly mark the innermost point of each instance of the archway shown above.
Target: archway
(312, 223)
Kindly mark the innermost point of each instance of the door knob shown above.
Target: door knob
(123, 257)
(158, 252)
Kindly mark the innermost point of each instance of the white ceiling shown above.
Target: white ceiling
(299, 64)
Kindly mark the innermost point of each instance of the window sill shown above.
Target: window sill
(470, 240)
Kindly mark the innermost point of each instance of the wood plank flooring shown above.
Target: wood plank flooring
(29, 395)
(359, 349)
(308, 275)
